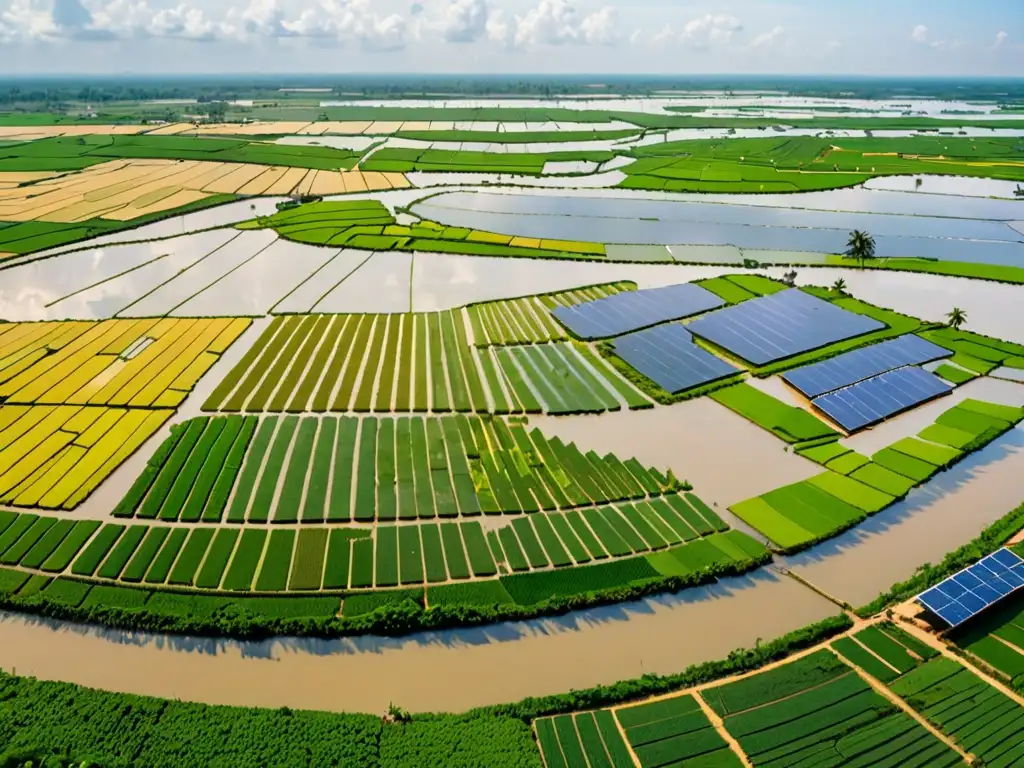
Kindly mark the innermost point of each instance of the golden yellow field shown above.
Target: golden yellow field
(55, 456)
(136, 363)
(122, 190)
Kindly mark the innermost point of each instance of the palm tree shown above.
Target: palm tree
(839, 286)
(860, 246)
(956, 318)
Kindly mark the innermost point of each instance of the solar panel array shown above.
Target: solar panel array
(780, 325)
(860, 364)
(972, 590)
(872, 400)
(632, 310)
(667, 355)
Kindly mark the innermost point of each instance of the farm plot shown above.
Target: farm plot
(413, 362)
(133, 363)
(528, 320)
(798, 515)
(313, 469)
(884, 651)
(566, 739)
(817, 711)
(674, 731)
(54, 456)
(983, 721)
(558, 379)
(593, 535)
(996, 638)
(794, 425)
(368, 225)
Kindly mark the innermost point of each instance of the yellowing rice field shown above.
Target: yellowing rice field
(122, 190)
(136, 363)
(55, 456)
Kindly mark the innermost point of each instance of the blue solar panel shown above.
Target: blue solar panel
(667, 355)
(863, 363)
(632, 310)
(780, 325)
(993, 578)
(869, 402)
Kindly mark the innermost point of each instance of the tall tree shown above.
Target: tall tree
(860, 246)
(956, 318)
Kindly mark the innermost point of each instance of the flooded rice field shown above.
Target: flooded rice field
(938, 517)
(655, 222)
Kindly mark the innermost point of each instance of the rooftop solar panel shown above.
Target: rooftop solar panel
(863, 363)
(633, 310)
(780, 325)
(972, 590)
(667, 355)
(872, 400)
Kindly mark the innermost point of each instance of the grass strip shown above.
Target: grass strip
(254, 458)
(277, 562)
(192, 555)
(217, 558)
(299, 463)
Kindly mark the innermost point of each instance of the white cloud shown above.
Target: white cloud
(465, 21)
(768, 39)
(919, 34)
(599, 28)
(708, 30)
(1001, 37)
(343, 21)
(833, 45)
(553, 22)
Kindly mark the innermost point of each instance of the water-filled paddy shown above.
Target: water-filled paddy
(646, 221)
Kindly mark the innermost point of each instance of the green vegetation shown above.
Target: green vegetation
(460, 161)
(31, 236)
(797, 516)
(817, 709)
(368, 224)
(528, 320)
(992, 538)
(806, 163)
(794, 425)
(461, 376)
(995, 638)
(74, 153)
(942, 691)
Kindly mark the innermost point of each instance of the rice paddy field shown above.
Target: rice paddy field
(467, 404)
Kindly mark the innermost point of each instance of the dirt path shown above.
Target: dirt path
(942, 648)
(882, 690)
(719, 725)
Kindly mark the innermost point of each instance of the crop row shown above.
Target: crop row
(528, 320)
(413, 362)
(339, 469)
(250, 559)
(817, 711)
(107, 363)
(578, 537)
(982, 720)
(55, 456)
(997, 639)
(855, 486)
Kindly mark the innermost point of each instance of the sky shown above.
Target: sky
(807, 37)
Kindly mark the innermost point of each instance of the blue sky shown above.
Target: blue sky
(873, 37)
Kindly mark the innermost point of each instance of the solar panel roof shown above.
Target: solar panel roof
(780, 325)
(863, 363)
(632, 310)
(972, 590)
(872, 400)
(667, 355)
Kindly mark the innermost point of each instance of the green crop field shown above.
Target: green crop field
(397, 455)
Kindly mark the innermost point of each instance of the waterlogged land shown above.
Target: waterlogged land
(398, 375)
